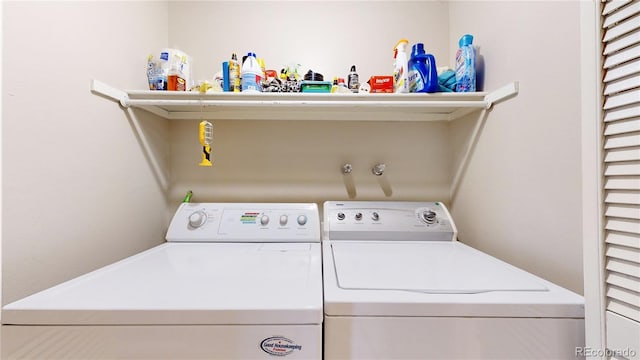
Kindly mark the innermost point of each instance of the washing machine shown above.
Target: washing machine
(233, 281)
(398, 285)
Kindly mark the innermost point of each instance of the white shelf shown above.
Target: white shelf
(306, 106)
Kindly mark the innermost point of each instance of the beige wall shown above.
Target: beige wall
(289, 161)
(524, 173)
(78, 191)
(520, 199)
(84, 185)
(326, 36)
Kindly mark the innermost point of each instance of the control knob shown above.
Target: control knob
(197, 219)
(341, 216)
(264, 220)
(359, 216)
(375, 216)
(429, 216)
(283, 220)
(302, 220)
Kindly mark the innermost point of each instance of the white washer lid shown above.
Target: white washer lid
(188, 283)
(378, 278)
(429, 267)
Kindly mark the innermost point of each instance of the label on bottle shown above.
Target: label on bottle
(416, 81)
(176, 83)
(465, 72)
(234, 76)
(353, 82)
(251, 81)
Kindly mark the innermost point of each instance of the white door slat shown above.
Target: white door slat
(620, 141)
(622, 183)
(622, 42)
(622, 99)
(623, 309)
(625, 84)
(621, 28)
(624, 253)
(622, 197)
(621, 72)
(624, 154)
(624, 281)
(624, 239)
(622, 127)
(622, 113)
(624, 295)
(611, 6)
(624, 225)
(621, 15)
(623, 211)
(631, 168)
(624, 267)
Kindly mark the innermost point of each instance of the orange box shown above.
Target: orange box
(381, 84)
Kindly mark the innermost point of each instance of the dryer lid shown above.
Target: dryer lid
(426, 267)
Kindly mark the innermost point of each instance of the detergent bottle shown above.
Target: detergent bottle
(423, 74)
(466, 65)
(400, 68)
(251, 74)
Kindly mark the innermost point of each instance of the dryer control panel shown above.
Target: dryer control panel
(245, 222)
(387, 220)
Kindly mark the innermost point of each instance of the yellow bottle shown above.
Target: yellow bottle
(234, 74)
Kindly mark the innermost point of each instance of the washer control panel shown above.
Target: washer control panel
(387, 220)
(245, 222)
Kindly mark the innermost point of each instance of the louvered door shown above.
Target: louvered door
(621, 116)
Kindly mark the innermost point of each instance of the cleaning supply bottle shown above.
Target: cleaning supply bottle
(423, 74)
(175, 79)
(234, 73)
(400, 68)
(263, 69)
(466, 65)
(352, 80)
(251, 74)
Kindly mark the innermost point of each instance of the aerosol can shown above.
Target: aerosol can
(352, 80)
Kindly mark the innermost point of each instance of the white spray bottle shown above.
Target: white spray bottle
(401, 67)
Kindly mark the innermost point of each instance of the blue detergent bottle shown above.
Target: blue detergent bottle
(466, 65)
(423, 75)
